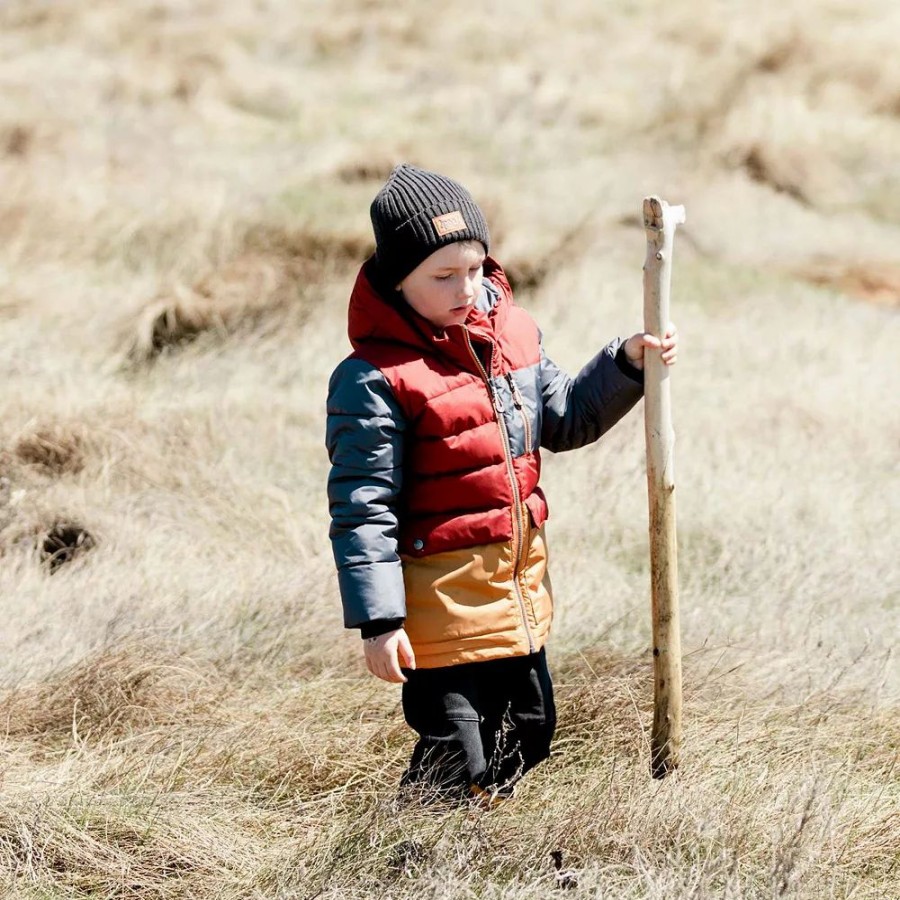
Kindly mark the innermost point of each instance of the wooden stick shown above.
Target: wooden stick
(660, 221)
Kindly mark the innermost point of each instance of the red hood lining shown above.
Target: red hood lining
(375, 316)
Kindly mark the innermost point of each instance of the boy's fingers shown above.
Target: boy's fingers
(385, 668)
(406, 651)
(372, 664)
(394, 674)
(384, 674)
(394, 661)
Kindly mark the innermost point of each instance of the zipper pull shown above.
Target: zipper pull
(495, 397)
(514, 390)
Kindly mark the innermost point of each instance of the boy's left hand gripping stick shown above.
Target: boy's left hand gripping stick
(660, 221)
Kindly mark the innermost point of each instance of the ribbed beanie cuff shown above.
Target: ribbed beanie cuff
(418, 212)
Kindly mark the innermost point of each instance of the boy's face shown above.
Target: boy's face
(444, 286)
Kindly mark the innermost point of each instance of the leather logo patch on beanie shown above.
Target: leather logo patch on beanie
(449, 222)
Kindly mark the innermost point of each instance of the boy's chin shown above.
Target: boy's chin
(450, 318)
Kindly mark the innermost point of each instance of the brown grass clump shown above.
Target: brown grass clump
(785, 173)
(268, 283)
(315, 255)
(173, 321)
(374, 167)
(53, 450)
(111, 693)
(794, 166)
(875, 282)
(16, 140)
(528, 272)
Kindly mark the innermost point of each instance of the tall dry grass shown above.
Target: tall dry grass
(184, 203)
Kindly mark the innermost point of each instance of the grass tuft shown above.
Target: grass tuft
(53, 450)
(113, 693)
(267, 285)
(873, 281)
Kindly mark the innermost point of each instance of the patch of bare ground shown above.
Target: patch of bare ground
(267, 285)
(54, 539)
(62, 542)
(874, 281)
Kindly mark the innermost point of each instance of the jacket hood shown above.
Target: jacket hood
(375, 317)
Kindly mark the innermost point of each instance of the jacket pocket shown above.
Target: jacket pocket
(536, 505)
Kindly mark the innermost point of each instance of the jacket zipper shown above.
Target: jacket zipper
(520, 405)
(497, 404)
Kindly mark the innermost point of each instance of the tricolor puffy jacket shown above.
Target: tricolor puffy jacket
(434, 436)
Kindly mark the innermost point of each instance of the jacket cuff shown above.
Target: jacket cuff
(371, 592)
(377, 627)
(626, 368)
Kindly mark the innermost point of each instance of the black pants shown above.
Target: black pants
(481, 723)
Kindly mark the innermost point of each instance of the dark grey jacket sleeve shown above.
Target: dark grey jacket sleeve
(364, 436)
(578, 411)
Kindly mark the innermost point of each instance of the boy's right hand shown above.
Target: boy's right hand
(385, 652)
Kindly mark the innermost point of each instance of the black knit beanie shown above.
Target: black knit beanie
(418, 212)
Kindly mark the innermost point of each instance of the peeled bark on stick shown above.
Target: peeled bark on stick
(660, 221)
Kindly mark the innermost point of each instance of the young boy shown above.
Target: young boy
(435, 424)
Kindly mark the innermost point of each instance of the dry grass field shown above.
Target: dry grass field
(184, 202)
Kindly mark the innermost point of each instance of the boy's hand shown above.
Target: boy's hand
(385, 652)
(637, 343)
